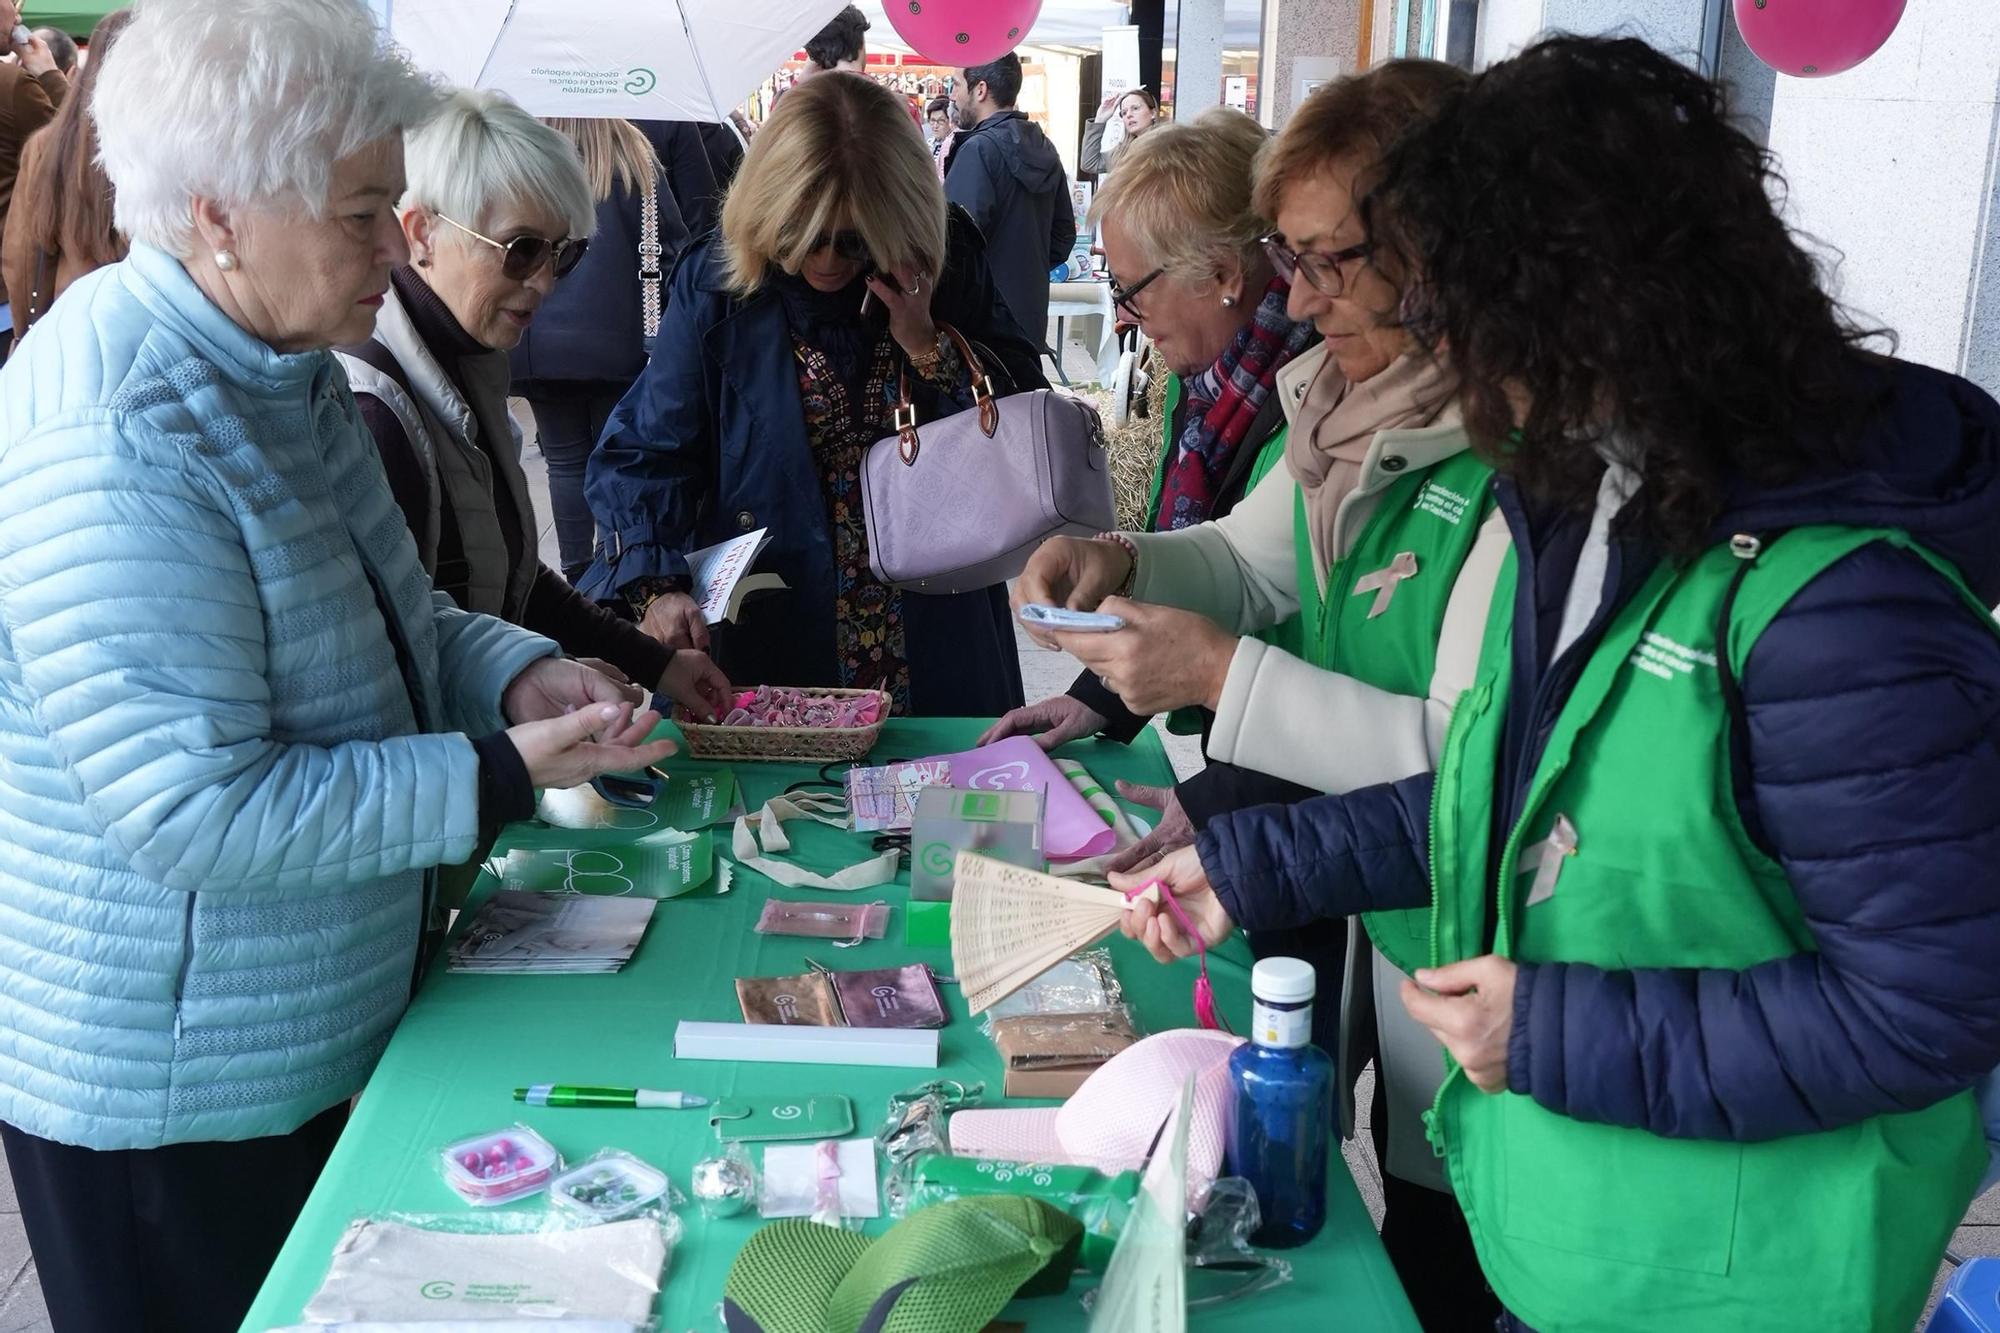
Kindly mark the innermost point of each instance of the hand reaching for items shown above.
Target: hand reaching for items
(570, 749)
(675, 619)
(1172, 831)
(1469, 1007)
(1164, 657)
(555, 687)
(1054, 721)
(693, 681)
(1179, 873)
(603, 668)
(1071, 572)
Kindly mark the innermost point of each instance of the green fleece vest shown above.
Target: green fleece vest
(1630, 853)
(1383, 610)
(1284, 634)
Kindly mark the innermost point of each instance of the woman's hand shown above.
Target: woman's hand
(906, 295)
(1469, 1007)
(1072, 572)
(1052, 722)
(1164, 657)
(604, 668)
(570, 750)
(554, 687)
(675, 620)
(1107, 106)
(1172, 831)
(1154, 924)
(694, 682)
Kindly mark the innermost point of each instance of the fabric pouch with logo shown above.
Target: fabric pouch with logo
(890, 997)
(805, 1000)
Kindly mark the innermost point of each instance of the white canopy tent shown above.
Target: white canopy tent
(640, 59)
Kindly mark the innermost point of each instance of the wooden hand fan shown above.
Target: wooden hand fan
(1010, 925)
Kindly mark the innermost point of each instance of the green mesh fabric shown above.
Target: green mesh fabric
(968, 1257)
(787, 1272)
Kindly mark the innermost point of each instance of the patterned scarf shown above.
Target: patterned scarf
(1222, 402)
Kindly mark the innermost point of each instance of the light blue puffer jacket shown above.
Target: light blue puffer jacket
(216, 799)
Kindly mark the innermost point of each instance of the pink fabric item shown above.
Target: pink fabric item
(782, 706)
(1118, 1114)
(1071, 830)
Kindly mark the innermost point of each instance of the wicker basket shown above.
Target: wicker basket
(785, 745)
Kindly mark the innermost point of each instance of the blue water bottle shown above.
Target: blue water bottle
(1282, 1129)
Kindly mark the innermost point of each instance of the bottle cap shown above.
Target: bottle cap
(1283, 980)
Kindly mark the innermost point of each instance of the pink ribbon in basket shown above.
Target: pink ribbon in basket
(782, 706)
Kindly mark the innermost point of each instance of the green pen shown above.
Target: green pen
(644, 1099)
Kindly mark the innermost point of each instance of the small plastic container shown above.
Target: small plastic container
(610, 1187)
(500, 1167)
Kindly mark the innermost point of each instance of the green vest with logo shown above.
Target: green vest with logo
(1383, 610)
(1630, 853)
(1284, 634)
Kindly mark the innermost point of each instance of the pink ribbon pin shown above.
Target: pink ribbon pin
(1384, 580)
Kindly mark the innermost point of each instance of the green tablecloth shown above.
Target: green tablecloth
(468, 1041)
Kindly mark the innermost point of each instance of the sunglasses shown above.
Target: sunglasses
(523, 257)
(1123, 298)
(848, 245)
(1325, 272)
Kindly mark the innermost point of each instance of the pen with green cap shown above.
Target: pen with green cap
(643, 1099)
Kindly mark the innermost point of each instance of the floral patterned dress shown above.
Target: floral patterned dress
(844, 416)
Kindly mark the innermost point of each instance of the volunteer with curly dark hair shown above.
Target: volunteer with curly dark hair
(1711, 850)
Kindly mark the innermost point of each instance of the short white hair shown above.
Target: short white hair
(247, 102)
(481, 152)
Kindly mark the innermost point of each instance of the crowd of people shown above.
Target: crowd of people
(1585, 616)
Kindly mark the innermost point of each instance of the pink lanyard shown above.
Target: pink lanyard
(1204, 991)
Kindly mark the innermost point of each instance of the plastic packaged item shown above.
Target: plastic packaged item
(1100, 1202)
(1282, 1121)
(1050, 1055)
(611, 1185)
(509, 1265)
(724, 1184)
(1221, 1265)
(499, 1167)
(1085, 982)
(916, 1121)
(844, 923)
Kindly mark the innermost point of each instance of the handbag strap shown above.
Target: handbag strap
(650, 274)
(982, 398)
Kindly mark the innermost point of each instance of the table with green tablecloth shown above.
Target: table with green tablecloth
(469, 1040)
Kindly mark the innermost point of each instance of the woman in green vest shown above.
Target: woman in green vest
(1712, 854)
(1378, 534)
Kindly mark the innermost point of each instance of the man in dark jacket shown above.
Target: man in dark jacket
(1004, 172)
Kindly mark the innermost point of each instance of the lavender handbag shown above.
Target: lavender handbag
(964, 502)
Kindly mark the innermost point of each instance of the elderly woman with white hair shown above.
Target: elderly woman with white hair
(498, 210)
(238, 730)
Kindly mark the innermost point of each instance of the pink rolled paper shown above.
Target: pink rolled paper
(1071, 830)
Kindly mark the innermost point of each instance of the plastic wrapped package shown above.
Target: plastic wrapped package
(846, 922)
(538, 1264)
(1222, 1266)
(499, 1167)
(1100, 1202)
(1082, 983)
(610, 1186)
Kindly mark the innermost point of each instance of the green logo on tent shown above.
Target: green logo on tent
(640, 81)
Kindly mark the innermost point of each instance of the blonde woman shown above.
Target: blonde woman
(588, 341)
(776, 366)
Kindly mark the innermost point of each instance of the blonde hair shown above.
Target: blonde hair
(482, 152)
(840, 152)
(1182, 193)
(615, 152)
(1354, 119)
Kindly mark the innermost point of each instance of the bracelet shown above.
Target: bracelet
(927, 364)
(1131, 575)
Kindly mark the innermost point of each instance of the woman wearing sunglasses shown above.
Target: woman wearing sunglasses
(498, 210)
(785, 334)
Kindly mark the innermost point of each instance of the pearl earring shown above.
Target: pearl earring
(1228, 303)
(226, 260)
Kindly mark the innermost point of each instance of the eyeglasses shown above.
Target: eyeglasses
(1325, 272)
(1123, 298)
(849, 245)
(524, 256)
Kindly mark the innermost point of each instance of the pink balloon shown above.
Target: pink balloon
(962, 32)
(1811, 39)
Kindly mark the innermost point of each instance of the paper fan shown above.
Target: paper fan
(1009, 925)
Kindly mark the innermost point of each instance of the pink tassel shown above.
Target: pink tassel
(1205, 1011)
